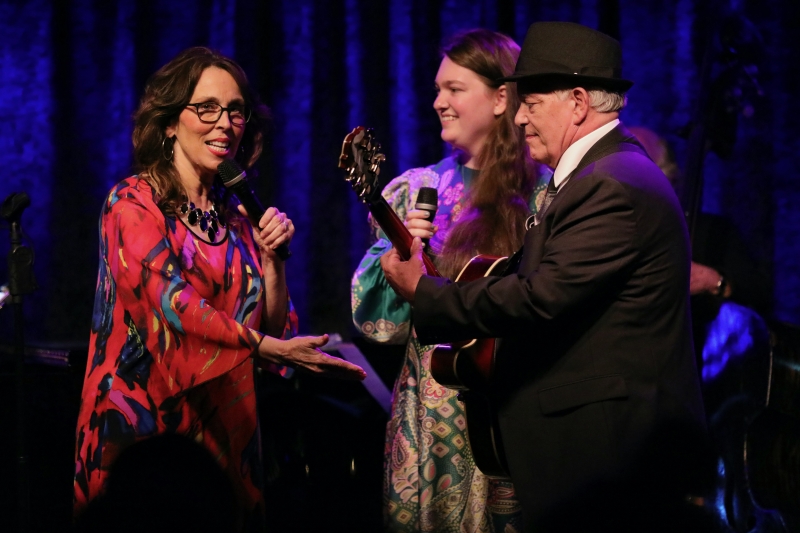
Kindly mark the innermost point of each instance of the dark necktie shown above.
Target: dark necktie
(548, 197)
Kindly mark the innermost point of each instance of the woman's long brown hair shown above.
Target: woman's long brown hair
(166, 95)
(493, 219)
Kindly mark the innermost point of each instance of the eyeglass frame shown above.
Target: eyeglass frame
(249, 113)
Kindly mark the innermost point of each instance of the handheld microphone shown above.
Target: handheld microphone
(233, 177)
(427, 200)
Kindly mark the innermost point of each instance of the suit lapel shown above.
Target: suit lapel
(617, 140)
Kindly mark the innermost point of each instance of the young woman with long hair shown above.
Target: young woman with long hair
(487, 189)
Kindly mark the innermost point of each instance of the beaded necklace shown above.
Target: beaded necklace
(209, 221)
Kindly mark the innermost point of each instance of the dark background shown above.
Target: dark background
(71, 74)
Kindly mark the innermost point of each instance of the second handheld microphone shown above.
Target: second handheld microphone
(427, 200)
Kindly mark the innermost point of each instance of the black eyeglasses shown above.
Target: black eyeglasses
(211, 112)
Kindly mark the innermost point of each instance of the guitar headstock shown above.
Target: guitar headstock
(361, 159)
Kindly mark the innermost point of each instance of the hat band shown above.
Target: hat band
(537, 66)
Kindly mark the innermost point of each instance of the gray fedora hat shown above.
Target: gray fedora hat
(571, 54)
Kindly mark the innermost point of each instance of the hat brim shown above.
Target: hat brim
(550, 80)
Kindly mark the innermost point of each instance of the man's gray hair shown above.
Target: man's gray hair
(602, 101)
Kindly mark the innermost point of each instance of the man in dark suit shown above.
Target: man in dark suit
(595, 387)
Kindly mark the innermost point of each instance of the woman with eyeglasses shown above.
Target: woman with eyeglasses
(190, 294)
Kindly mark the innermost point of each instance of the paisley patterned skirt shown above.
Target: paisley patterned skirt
(430, 479)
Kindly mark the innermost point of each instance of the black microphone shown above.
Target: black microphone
(233, 177)
(427, 200)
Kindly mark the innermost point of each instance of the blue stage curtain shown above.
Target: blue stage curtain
(71, 74)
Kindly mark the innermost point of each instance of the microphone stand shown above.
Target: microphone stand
(21, 282)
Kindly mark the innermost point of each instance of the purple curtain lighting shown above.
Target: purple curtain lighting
(71, 74)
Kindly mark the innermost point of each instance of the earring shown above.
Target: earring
(170, 147)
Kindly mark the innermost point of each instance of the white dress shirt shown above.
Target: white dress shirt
(573, 155)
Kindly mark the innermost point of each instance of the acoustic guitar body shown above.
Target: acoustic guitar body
(469, 368)
(468, 365)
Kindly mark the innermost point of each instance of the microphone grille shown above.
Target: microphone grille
(428, 195)
(230, 172)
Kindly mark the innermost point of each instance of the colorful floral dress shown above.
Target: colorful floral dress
(430, 479)
(174, 327)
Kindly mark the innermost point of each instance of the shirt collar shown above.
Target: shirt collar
(573, 155)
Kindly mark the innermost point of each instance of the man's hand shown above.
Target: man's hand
(705, 279)
(403, 276)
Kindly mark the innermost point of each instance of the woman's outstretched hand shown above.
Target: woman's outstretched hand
(304, 353)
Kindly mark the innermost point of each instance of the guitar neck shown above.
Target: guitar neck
(397, 232)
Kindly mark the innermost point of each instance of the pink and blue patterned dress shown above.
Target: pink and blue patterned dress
(175, 326)
(430, 479)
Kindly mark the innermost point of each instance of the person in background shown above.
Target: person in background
(487, 189)
(723, 269)
(721, 263)
(189, 293)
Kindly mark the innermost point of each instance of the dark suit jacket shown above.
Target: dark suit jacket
(596, 363)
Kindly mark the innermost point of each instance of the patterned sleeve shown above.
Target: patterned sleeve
(378, 313)
(190, 342)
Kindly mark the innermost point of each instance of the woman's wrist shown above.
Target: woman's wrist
(271, 257)
(269, 349)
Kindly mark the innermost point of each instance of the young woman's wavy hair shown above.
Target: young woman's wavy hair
(493, 218)
(166, 95)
